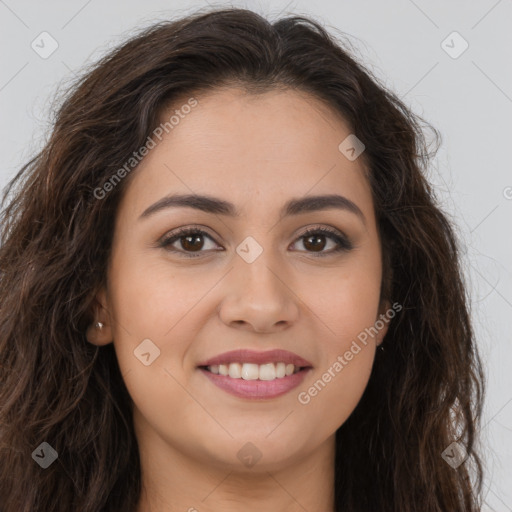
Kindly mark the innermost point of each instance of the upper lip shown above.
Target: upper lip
(252, 356)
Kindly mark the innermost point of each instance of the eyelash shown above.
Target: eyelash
(344, 245)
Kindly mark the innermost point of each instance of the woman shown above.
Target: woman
(226, 284)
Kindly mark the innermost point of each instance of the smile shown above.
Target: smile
(251, 371)
(254, 374)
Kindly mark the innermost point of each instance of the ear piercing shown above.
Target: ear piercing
(99, 325)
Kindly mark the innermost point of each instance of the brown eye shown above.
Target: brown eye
(315, 242)
(190, 240)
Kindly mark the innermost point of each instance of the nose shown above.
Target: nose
(258, 298)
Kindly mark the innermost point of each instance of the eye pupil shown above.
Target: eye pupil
(189, 240)
(315, 245)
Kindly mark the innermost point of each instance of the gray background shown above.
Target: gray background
(468, 98)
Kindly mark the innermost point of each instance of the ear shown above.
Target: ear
(100, 335)
(382, 319)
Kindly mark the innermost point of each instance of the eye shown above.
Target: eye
(314, 240)
(191, 240)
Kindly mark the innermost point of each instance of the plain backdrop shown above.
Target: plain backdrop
(461, 83)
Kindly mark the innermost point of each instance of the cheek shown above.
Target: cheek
(347, 348)
(347, 299)
(151, 298)
(146, 311)
(347, 305)
(150, 303)
(336, 389)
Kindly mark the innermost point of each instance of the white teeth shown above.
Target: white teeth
(268, 371)
(235, 370)
(251, 371)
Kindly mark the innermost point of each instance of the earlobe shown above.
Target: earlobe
(382, 333)
(100, 332)
(382, 322)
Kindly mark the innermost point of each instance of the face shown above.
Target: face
(269, 278)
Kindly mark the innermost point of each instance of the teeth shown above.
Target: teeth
(251, 371)
(268, 371)
(235, 370)
(248, 371)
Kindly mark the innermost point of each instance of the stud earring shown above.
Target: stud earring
(98, 325)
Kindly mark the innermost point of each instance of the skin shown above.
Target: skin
(256, 152)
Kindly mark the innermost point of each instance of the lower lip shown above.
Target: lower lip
(257, 389)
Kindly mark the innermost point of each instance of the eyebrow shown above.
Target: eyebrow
(217, 206)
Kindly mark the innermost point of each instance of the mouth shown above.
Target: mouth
(253, 371)
(256, 375)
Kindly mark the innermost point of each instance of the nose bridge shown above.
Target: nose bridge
(258, 263)
(257, 293)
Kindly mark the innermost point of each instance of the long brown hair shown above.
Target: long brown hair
(426, 388)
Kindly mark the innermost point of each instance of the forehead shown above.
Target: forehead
(250, 149)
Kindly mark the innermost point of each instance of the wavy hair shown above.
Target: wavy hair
(426, 387)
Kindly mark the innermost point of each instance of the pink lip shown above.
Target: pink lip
(251, 356)
(257, 389)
